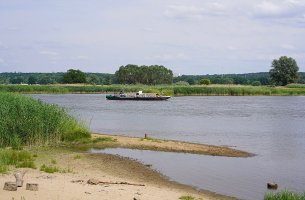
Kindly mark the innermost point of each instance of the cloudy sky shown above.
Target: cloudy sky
(187, 36)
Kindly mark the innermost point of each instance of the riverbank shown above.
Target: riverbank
(173, 90)
(148, 143)
(79, 167)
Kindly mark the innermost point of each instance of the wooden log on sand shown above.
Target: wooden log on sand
(32, 186)
(93, 181)
(10, 186)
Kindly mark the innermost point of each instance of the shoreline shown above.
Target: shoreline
(176, 146)
(79, 165)
(104, 167)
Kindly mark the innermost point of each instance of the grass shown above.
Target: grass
(173, 90)
(27, 121)
(188, 198)
(151, 139)
(76, 157)
(284, 195)
(296, 85)
(15, 158)
(49, 168)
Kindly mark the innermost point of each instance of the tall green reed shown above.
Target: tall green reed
(27, 121)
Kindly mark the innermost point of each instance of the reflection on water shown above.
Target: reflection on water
(272, 127)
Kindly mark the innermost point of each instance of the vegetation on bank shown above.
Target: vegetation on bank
(284, 195)
(173, 90)
(16, 158)
(27, 121)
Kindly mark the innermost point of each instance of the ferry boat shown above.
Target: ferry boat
(137, 96)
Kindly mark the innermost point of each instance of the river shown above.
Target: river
(271, 127)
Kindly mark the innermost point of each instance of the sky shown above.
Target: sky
(187, 36)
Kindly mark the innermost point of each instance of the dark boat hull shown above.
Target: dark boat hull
(160, 98)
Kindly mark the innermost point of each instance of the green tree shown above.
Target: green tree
(205, 81)
(94, 79)
(284, 71)
(74, 76)
(32, 80)
(151, 75)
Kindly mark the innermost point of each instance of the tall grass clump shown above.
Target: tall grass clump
(284, 195)
(19, 159)
(27, 121)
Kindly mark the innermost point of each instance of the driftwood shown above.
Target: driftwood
(19, 178)
(10, 186)
(32, 186)
(96, 182)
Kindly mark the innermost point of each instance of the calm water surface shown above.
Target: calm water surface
(271, 127)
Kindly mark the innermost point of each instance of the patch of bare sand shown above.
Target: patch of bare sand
(174, 146)
(104, 167)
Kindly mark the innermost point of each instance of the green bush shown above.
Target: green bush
(205, 81)
(256, 83)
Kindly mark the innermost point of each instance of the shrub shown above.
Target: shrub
(205, 81)
(256, 83)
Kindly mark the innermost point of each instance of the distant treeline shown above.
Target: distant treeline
(132, 74)
(260, 78)
(53, 78)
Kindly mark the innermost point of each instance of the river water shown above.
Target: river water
(271, 127)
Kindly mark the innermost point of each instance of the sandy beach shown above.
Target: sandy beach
(124, 179)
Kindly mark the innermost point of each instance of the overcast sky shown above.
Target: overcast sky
(187, 36)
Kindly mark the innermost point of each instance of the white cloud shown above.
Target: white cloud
(82, 57)
(1, 60)
(49, 53)
(279, 9)
(186, 11)
(288, 47)
(172, 57)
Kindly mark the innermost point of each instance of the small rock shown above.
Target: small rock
(93, 181)
(87, 193)
(10, 186)
(272, 186)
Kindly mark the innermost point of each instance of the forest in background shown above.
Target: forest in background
(108, 79)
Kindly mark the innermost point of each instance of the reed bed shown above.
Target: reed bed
(27, 121)
(173, 90)
(284, 195)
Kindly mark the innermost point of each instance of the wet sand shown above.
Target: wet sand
(173, 146)
(80, 166)
(103, 167)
